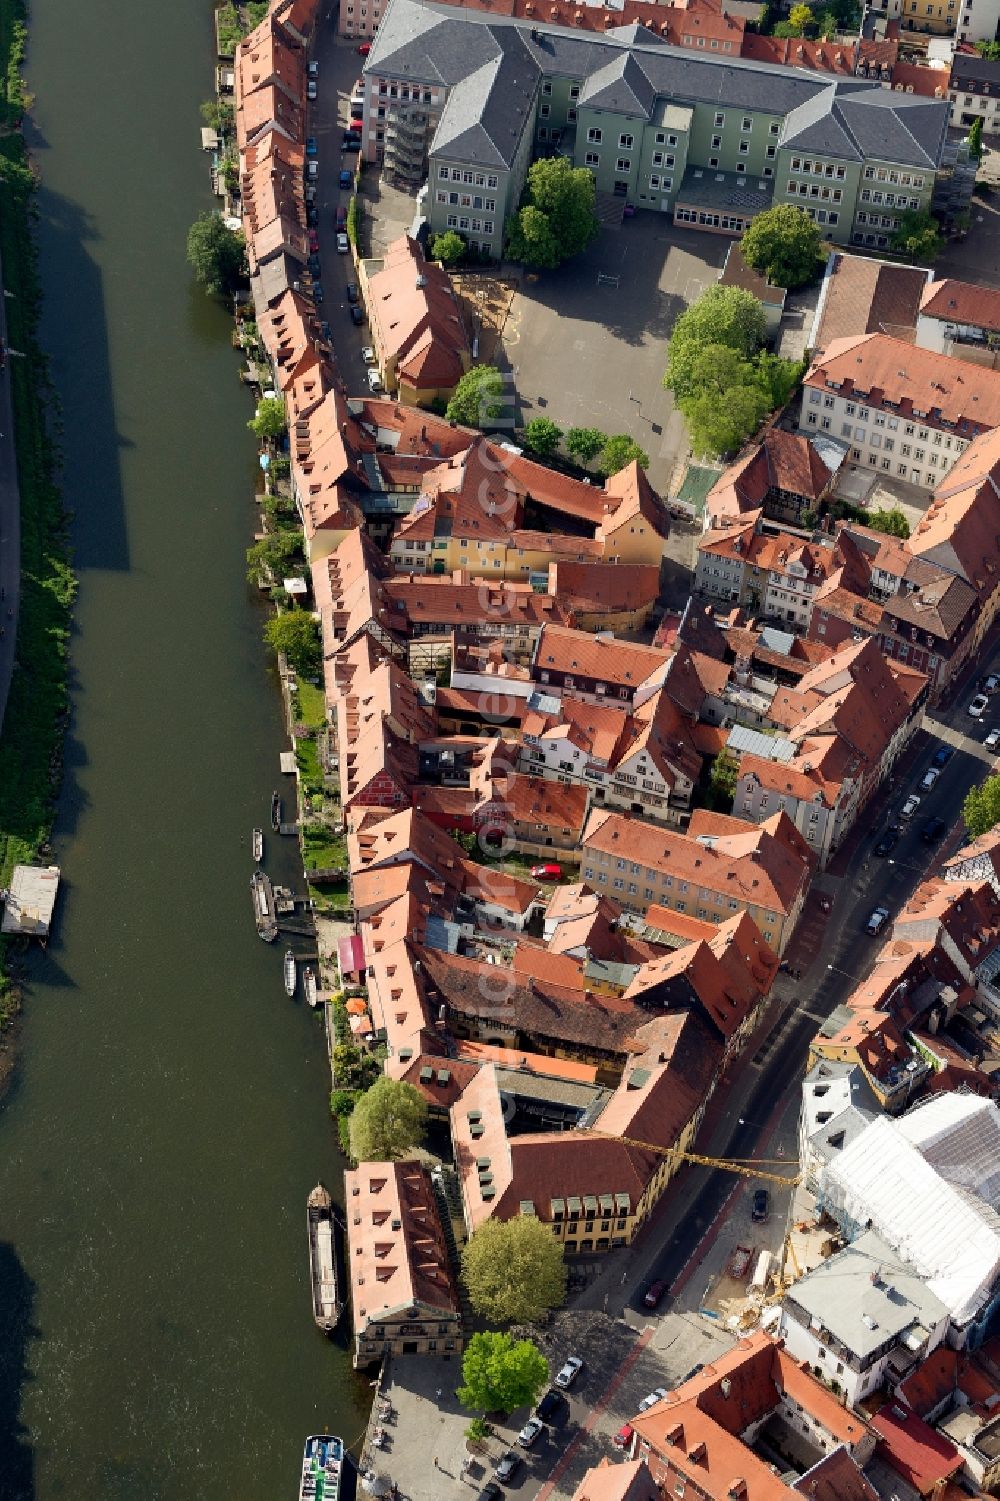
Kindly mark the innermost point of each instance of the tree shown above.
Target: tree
(976, 137)
(721, 427)
(542, 436)
(981, 808)
(449, 248)
(783, 244)
(988, 50)
(219, 114)
(716, 369)
(801, 17)
(217, 253)
(273, 556)
(514, 1270)
(892, 521)
(296, 634)
(501, 1373)
(918, 235)
(477, 397)
(721, 315)
(557, 218)
(585, 443)
(269, 420)
(389, 1120)
(778, 378)
(722, 780)
(619, 451)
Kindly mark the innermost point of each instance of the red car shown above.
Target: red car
(654, 1292)
(365, 48)
(623, 1437)
(550, 872)
(341, 216)
(356, 125)
(313, 240)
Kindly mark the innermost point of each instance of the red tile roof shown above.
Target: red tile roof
(862, 295)
(922, 1456)
(962, 302)
(915, 379)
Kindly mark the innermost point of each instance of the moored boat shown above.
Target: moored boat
(276, 811)
(263, 906)
(309, 984)
(322, 1463)
(290, 972)
(322, 1258)
(258, 846)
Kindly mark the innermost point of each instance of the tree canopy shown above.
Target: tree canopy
(273, 555)
(296, 633)
(542, 436)
(557, 218)
(918, 235)
(721, 426)
(976, 137)
(892, 521)
(988, 50)
(449, 247)
(585, 443)
(269, 421)
(620, 450)
(721, 315)
(783, 244)
(514, 1270)
(501, 1373)
(478, 398)
(388, 1121)
(217, 254)
(981, 809)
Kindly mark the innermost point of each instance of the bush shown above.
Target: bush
(353, 226)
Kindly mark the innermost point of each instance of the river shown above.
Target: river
(169, 1113)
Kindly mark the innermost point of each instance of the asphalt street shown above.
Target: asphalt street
(10, 521)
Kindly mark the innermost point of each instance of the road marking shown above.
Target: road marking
(588, 1425)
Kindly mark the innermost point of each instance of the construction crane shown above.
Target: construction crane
(746, 1167)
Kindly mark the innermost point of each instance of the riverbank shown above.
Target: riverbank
(35, 719)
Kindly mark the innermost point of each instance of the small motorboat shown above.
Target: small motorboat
(290, 972)
(309, 984)
(276, 811)
(258, 846)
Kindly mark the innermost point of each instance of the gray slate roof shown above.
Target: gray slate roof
(628, 69)
(486, 113)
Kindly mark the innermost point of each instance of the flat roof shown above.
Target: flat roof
(31, 900)
(735, 192)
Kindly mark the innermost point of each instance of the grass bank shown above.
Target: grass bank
(31, 741)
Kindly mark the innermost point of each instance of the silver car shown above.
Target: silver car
(531, 1431)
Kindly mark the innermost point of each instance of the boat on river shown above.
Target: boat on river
(291, 973)
(258, 846)
(309, 984)
(276, 811)
(264, 912)
(323, 1259)
(322, 1464)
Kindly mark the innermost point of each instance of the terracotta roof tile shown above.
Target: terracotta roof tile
(868, 296)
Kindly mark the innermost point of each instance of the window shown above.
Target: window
(654, 181)
(771, 152)
(716, 142)
(774, 127)
(713, 161)
(547, 87)
(626, 142)
(624, 164)
(574, 92)
(593, 160)
(543, 110)
(744, 148)
(594, 135)
(720, 119)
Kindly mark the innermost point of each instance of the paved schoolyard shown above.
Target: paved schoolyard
(588, 342)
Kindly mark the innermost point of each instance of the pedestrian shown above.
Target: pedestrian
(439, 1393)
(436, 1465)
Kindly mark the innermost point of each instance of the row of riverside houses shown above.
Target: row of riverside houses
(709, 139)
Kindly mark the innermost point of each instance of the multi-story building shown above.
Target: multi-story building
(709, 140)
(975, 91)
(904, 411)
(961, 319)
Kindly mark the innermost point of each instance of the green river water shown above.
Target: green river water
(169, 1113)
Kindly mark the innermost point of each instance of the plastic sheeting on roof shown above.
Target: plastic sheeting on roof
(768, 747)
(928, 1184)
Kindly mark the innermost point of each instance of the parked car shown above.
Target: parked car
(623, 1437)
(932, 830)
(877, 921)
(530, 1433)
(364, 49)
(311, 147)
(887, 843)
(490, 1492)
(548, 872)
(313, 264)
(346, 178)
(657, 1395)
(351, 143)
(943, 755)
(357, 315)
(507, 1465)
(992, 740)
(312, 92)
(318, 293)
(352, 291)
(761, 1208)
(343, 244)
(313, 239)
(357, 125)
(992, 683)
(374, 380)
(978, 705)
(340, 217)
(368, 355)
(929, 777)
(312, 168)
(910, 806)
(312, 216)
(654, 1292)
(569, 1372)
(551, 1404)
(325, 329)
